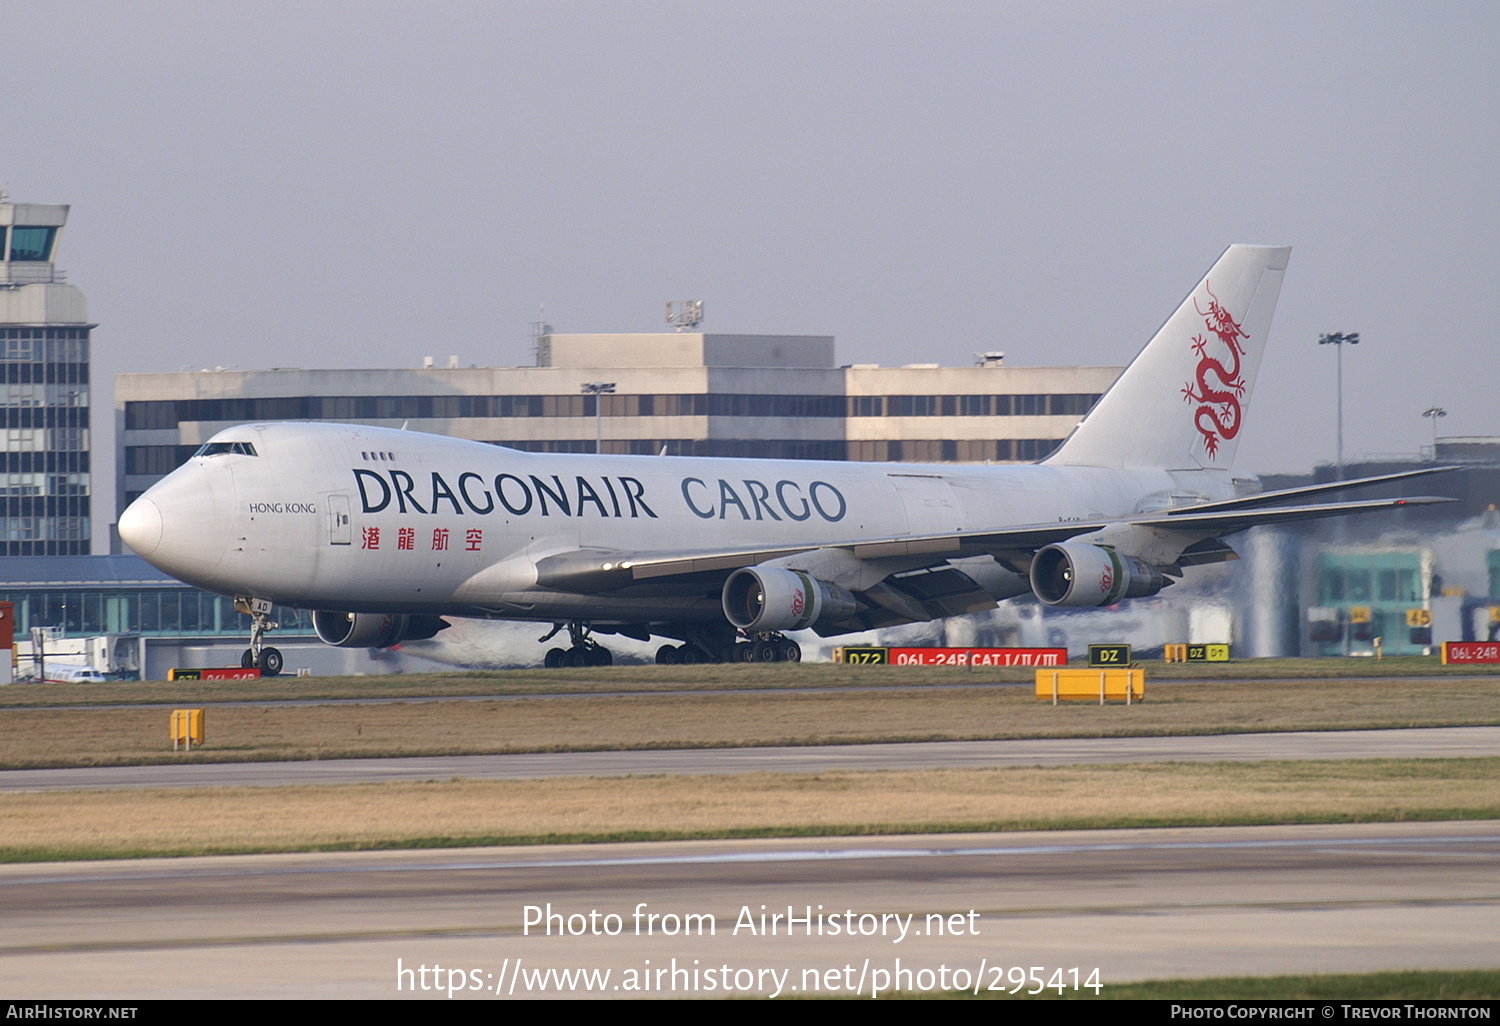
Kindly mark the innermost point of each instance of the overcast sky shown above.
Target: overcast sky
(263, 184)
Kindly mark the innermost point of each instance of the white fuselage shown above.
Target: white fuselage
(340, 517)
(355, 520)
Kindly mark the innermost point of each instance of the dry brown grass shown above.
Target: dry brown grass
(55, 737)
(82, 824)
(683, 678)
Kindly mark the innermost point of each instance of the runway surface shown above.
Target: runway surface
(1416, 743)
(1130, 904)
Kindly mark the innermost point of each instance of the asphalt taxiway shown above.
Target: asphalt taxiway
(1134, 904)
(1415, 743)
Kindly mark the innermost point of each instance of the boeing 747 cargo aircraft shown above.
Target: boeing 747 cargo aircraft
(383, 532)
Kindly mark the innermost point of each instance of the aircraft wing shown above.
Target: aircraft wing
(603, 570)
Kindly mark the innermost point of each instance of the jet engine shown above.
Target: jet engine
(763, 598)
(1072, 574)
(373, 630)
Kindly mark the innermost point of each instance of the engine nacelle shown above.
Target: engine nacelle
(373, 630)
(764, 598)
(1075, 574)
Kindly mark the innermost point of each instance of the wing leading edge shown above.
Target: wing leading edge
(600, 570)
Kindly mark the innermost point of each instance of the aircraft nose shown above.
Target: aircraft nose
(182, 524)
(140, 526)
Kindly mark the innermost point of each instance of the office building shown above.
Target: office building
(678, 394)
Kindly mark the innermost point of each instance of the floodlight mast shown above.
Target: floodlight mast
(598, 389)
(684, 314)
(1432, 413)
(1338, 340)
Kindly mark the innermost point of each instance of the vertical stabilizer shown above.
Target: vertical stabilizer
(1181, 403)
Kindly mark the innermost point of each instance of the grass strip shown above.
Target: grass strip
(679, 678)
(37, 738)
(42, 826)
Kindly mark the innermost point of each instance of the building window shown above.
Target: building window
(156, 459)
(31, 243)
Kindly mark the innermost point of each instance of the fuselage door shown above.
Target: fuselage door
(339, 530)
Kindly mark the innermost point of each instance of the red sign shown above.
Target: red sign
(229, 673)
(979, 657)
(1471, 652)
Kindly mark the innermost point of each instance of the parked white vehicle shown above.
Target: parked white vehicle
(73, 675)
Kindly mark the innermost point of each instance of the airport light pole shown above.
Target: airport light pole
(1432, 413)
(1339, 340)
(598, 389)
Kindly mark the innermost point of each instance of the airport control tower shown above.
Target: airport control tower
(44, 389)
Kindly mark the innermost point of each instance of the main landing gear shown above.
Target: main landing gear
(761, 647)
(259, 654)
(585, 651)
(704, 643)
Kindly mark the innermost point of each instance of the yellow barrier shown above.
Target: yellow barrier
(1174, 653)
(187, 728)
(1068, 685)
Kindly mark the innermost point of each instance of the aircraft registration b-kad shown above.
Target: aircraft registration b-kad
(384, 532)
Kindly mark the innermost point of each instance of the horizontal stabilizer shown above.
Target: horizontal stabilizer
(1307, 491)
(1214, 521)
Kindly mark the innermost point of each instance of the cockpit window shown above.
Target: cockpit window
(220, 448)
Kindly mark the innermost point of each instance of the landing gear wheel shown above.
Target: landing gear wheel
(588, 654)
(791, 652)
(258, 654)
(667, 656)
(584, 651)
(767, 652)
(270, 662)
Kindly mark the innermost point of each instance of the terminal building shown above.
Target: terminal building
(677, 394)
(1404, 582)
(44, 389)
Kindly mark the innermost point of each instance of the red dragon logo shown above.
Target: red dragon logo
(1218, 414)
(799, 602)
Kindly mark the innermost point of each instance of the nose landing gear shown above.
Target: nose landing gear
(259, 654)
